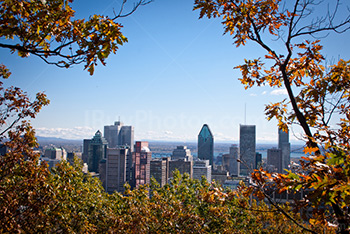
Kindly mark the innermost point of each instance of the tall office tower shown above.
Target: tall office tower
(284, 145)
(258, 160)
(246, 149)
(119, 135)
(181, 165)
(141, 159)
(158, 171)
(116, 169)
(167, 160)
(97, 150)
(111, 134)
(201, 168)
(274, 158)
(181, 152)
(229, 161)
(85, 155)
(206, 144)
(126, 137)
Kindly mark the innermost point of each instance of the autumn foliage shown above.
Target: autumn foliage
(48, 29)
(318, 95)
(71, 202)
(64, 200)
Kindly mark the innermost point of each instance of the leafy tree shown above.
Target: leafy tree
(23, 193)
(48, 29)
(80, 203)
(31, 198)
(191, 206)
(318, 94)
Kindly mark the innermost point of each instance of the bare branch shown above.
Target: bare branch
(136, 5)
(274, 204)
(319, 24)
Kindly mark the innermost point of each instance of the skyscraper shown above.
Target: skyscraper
(258, 160)
(97, 150)
(159, 170)
(247, 149)
(181, 152)
(284, 145)
(141, 159)
(274, 159)
(85, 155)
(229, 161)
(116, 169)
(126, 137)
(206, 144)
(119, 135)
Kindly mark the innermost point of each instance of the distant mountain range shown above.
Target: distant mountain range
(161, 146)
(54, 140)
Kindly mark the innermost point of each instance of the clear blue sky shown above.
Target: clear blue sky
(175, 74)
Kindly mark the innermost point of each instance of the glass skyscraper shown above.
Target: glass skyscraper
(206, 144)
(97, 150)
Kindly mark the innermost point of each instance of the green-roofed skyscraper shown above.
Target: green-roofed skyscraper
(206, 144)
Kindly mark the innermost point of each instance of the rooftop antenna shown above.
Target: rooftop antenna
(245, 113)
(119, 118)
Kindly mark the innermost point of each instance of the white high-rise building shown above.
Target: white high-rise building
(201, 168)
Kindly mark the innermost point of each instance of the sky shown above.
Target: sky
(174, 75)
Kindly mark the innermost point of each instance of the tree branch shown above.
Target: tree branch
(274, 204)
(136, 5)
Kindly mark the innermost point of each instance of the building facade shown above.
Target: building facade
(274, 160)
(119, 135)
(229, 161)
(159, 170)
(141, 161)
(206, 144)
(284, 146)
(58, 153)
(182, 166)
(247, 147)
(97, 151)
(116, 169)
(85, 154)
(258, 160)
(181, 152)
(201, 168)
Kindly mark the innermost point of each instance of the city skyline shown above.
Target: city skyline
(180, 71)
